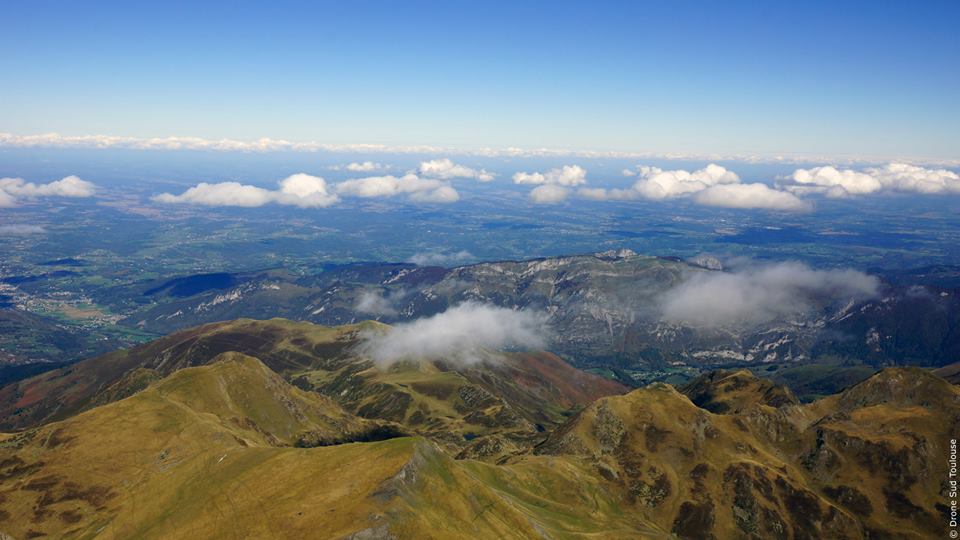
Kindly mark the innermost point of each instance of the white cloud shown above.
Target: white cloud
(418, 189)
(20, 230)
(443, 194)
(7, 200)
(750, 196)
(904, 177)
(220, 194)
(435, 258)
(373, 303)
(458, 335)
(760, 295)
(305, 191)
(375, 186)
(712, 185)
(656, 183)
(568, 175)
(834, 182)
(603, 194)
(446, 169)
(71, 186)
(300, 189)
(549, 194)
(366, 166)
(308, 191)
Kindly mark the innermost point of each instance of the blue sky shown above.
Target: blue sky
(852, 78)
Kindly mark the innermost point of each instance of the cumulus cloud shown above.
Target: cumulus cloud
(712, 185)
(21, 230)
(904, 177)
(219, 194)
(308, 191)
(302, 190)
(446, 169)
(750, 196)
(435, 258)
(656, 183)
(366, 166)
(568, 175)
(458, 334)
(305, 191)
(837, 183)
(443, 194)
(831, 182)
(71, 186)
(418, 189)
(549, 194)
(761, 294)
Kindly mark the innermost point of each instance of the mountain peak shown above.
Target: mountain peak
(902, 386)
(732, 391)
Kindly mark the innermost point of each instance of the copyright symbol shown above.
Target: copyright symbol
(953, 534)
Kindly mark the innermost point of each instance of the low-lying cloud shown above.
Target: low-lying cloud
(436, 258)
(416, 188)
(750, 196)
(459, 334)
(14, 189)
(568, 175)
(307, 191)
(760, 295)
(302, 190)
(21, 230)
(7, 200)
(838, 183)
(549, 194)
(712, 185)
(374, 303)
(445, 169)
(553, 186)
(364, 166)
(656, 183)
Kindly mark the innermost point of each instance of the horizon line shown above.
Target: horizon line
(268, 145)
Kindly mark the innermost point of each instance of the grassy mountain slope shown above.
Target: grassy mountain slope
(517, 395)
(864, 463)
(207, 453)
(296, 435)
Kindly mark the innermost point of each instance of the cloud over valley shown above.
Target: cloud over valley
(760, 294)
(12, 190)
(458, 334)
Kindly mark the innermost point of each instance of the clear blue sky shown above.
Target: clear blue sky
(875, 77)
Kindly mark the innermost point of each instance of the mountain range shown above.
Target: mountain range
(287, 429)
(606, 311)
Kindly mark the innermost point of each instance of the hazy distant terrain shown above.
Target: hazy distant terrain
(154, 268)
